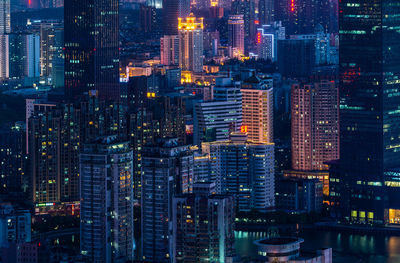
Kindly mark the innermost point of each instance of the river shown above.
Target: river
(347, 248)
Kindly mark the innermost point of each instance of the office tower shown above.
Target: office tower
(191, 43)
(296, 57)
(15, 225)
(247, 9)
(169, 50)
(12, 158)
(266, 12)
(51, 51)
(244, 169)
(258, 109)
(5, 28)
(167, 169)
(369, 119)
(172, 11)
(215, 120)
(203, 226)
(267, 40)
(315, 125)
(236, 34)
(91, 35)
(148, 18)
(106, 169)
(24, 55)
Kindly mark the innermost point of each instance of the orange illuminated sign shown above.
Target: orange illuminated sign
(244, 128)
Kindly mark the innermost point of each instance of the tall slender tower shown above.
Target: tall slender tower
(236, 33)
(191, 43)
(106, 168)
(5, 28)
(369, 111)
(91, 47)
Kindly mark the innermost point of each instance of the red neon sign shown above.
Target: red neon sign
(243, 128)
(292, 5)
(258, 38)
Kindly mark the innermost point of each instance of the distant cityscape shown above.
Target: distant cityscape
(168, 130)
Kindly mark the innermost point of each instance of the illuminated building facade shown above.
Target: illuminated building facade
(5, 28)
(169, 50)
(203, 227)
(244, 169)
(247, 9)
(267, 40)
(315, 125)
(167, 170)
(106, 168)
(191, 43)
(215, 120)
(236, 33)
(369, 111)
(257, 109)
(91, 47)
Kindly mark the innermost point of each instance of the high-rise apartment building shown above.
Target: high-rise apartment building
(267, 40)
(236, 34)
(315, 125)
(167, 169)
(51, 52)
(203, 226)
(91, 38)
(191, 43)
(5, 28)
(257, 109)
(215, 120)
(56, 133)
(367, 173)
(266, 11)
(247, 8)
(244, 169)
(106, 169)
(169, 50)
(24, 55)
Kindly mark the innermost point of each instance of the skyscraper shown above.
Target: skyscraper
(172, 10)
(267, 40)
(369, 111)
(191, 43)
(247, 9)
(169, 50)
(257, 109)
(266, 12)
(244, 169)
(106, 169)
(236, 34)
(51, 50)
(167, 169)
(215, 120)
(203, 226)
(315, 125)
(5, 28)
(91, 47)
